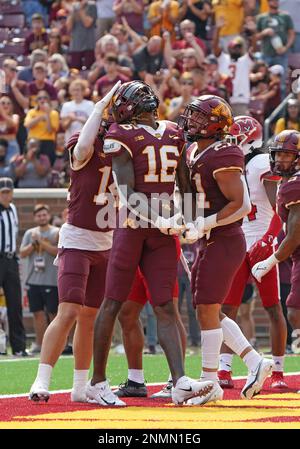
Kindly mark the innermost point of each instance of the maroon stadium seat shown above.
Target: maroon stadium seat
(294, 61)
(11, 7)
(257, 109)
(4, 34)
(12, 20)
(12, 49)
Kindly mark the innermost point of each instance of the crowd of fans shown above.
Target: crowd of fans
(75, 51)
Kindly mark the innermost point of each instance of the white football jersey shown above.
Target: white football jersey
(256, 224)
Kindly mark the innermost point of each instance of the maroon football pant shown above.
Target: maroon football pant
(218, 261)
(153, 252)
(293, 300)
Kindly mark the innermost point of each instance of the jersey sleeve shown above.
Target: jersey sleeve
(290, 192)
(116, 141)
(227, 158)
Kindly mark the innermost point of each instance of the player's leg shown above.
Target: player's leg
(159, 266)
(269, 292)
(73, 273)
(124, 259)
(230, 308)
(246, 314)
(293, 305)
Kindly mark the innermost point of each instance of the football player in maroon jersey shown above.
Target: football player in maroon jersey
(82, 259)
(146, 157)
(261, 228)
(217, 175)
(285, 161)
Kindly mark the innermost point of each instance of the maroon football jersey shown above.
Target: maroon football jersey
(155, 153)
(289, 194)
(203, 166)
(88, 187)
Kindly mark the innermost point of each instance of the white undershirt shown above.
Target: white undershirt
(71, 236)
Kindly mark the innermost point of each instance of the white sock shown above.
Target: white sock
(44, 374)
(80, 378)
(225, 361)
(279, 361)
(136, 375)
(233, 336)
(211, 341)
(252, 359)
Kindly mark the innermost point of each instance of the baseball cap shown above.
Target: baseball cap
(237, 41)
(37, 16)
(6, 184)
(277, 69)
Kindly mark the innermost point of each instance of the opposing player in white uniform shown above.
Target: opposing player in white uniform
(261, 228)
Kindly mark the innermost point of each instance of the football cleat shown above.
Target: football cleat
(38, 393)
(187, 388)
(216, 394)
(101, 394)
(131, 389)
(225, 379)
(165, 393)
(277, 380)
(256, 378)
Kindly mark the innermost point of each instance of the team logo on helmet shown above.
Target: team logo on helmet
(246, 132)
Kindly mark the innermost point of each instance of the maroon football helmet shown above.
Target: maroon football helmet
(287, 141)
(246, 132)
(206, 117)
(131, 99)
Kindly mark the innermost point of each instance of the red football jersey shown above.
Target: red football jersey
(155, 153)
(203, 166)
(88, 188)
(289, 194)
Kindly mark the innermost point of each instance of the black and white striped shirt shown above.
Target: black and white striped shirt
(8, 229)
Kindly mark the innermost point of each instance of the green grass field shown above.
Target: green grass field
(18, 375)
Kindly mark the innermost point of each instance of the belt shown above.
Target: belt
(9, 255)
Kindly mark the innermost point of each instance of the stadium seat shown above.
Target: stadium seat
(294, 61)
(257, 109)
(11, 7)
(12, 49)
(12, 20)
(4, 34)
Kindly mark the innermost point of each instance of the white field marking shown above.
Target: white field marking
(22, 395)
(28, 359)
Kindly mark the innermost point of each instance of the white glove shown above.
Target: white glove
(104, 102)
(262, 268)
(170, 225)
(191, 234)
(205, 225)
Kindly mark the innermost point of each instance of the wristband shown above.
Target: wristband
(210, 222)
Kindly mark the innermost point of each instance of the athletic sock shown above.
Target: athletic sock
(211, 341)
(279, 361)
(252, 359)
(80, 378)
(44, 375)
(136, 375)
(225, 361)
(233, 336)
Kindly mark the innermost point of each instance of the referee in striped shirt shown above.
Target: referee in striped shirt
(9, 268)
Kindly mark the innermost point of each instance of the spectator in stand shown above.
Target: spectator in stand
(39, 247)
(60, 173)
(61, 26)
(149, 58)
(113, 75)
(231, 14)
(163, 16)
(81, 25)
(188, 38)
(31, 7)
(292, 7)
(276, 31)
(291, 119)
(132, 10)
(38, 38)
(32, 168)
(200, 81)
(185, 59)
(37, 55)
(17, 91)
(7, 169)
(57, 67)
(40, 83)
(109, 44)
(178, 104)
(55, 44)
(237, 64)
(9, 268)
(9, 125)
(42, 123)
(106, 17)
(128, 39)
(198, 12)
(266, 86)
(75, 113)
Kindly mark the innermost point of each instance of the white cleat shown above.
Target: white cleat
(256, 379)
(187, 388)
(216, 394)
(38, 393)
(165, 393)
(78, 395)
(101, 394)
